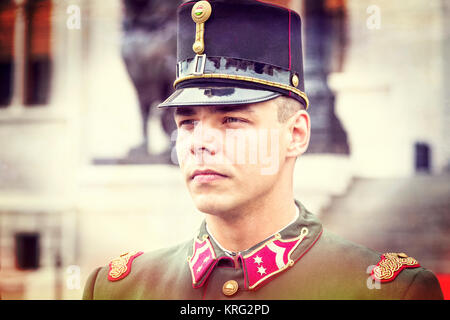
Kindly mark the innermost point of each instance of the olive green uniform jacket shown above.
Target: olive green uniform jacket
(303, 261)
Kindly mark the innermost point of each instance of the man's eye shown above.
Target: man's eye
(232, 119)
(187, 122)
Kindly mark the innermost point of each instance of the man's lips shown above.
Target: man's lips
(207, 175)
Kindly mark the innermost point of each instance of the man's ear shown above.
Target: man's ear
(299, 126)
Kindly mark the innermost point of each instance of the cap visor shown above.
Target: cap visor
(216, 96)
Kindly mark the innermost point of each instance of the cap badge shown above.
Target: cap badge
(201, 12)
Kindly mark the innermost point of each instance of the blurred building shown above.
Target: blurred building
(85, 170)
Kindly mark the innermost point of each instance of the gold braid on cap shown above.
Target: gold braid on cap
(245, 78)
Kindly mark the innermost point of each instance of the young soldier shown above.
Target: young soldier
(242, 122)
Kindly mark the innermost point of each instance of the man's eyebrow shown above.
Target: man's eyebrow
(185, 111)
(233, 108)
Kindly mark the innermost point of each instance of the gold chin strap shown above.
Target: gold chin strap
(245, 78)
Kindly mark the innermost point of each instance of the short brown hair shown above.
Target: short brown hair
(287, 107)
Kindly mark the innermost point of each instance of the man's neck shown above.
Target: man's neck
(252, 225)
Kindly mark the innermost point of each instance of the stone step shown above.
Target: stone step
(407, 214)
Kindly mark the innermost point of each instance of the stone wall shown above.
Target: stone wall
(391, 91)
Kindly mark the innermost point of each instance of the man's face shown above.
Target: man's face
(230, 155)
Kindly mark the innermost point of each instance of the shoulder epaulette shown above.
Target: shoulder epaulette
(120, 267)
(391, 264)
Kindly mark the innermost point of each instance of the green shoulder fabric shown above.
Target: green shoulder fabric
(424, 286)
(88, 293)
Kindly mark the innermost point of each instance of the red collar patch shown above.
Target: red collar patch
(200, 262)
(269, 259)
(273, 257)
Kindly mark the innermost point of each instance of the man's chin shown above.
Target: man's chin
(214, 204)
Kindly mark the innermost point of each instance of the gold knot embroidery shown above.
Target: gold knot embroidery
(391, 264)
(120, 267)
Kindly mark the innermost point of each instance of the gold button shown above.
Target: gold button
(230, 287)
(402, 255)
(294, 80)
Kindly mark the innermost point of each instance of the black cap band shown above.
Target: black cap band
(239, 70)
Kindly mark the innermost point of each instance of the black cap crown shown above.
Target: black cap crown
(237, 52)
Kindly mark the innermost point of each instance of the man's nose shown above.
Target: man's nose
(205, 140)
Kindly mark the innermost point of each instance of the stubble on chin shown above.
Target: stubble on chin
(222, 208)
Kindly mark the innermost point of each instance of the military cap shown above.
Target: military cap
(237, 52)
